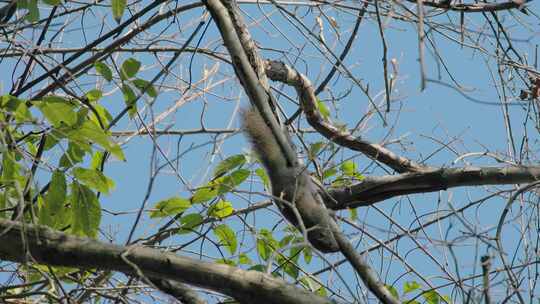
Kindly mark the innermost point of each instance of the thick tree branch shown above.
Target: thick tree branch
(376, 189)
(279, 71)
(180, 291)
(250, 70)
(43, 245)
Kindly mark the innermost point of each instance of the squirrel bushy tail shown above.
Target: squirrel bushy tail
(291, 183)
(264, 144)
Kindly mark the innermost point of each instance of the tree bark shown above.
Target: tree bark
(32, 243)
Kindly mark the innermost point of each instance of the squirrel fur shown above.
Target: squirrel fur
(291, 183)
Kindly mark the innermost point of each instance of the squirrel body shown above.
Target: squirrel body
(291, 185)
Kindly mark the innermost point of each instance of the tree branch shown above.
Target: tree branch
(376, 189)
(41, 244)
(278, 71)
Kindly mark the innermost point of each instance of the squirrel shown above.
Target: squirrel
(291, 185)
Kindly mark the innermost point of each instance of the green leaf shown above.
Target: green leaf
(204, 194)
(226, 262)
(33, 11)
(431, 297)
(321, 291)
(244, 259)
(129, 68)
(411, 286)
(228, 164)
(22, 114)
(94, 95)
(323, 109)
(94, 179)
(118, 7)
(315, 149)
(104, 115)
(258, 267)
(308, 255)
(261, 173)
(130, 99)
(266, 244)
(219, 186)
(227, 237)
(170, 207)
(329, 173)
(52, 2)
(392, 290)
(221, 209)
(348, 168)
(5, 99)
(190, 222)
(74, 155)
(229, 182)
(288, 267)
(145, 87)
(58, 111)
(354, 213)
(86, 211)
(55, 199)
(103, 70)
(286, 240)
(53, 138)
(291, 270)
(90, 132)
(10, 168)
(97, 159)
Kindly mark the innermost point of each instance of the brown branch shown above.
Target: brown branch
(375, 189)
(364, 270)
(181, 292)
(473, 7)
(8, 52)
(486, 265)
(54, 248)
(251, 72)
(279, 71)
(86, 64)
